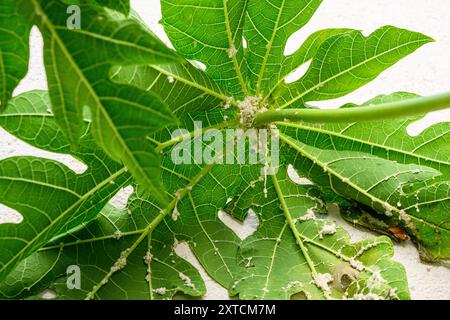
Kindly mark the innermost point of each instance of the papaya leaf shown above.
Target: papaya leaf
(153, 271)
(348, 61)
(14, 52)
(51, 198)
(166, 116)
(122, 115)
(294, 252)
(379, 165)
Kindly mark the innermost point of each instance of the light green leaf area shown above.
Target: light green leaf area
(186, 89)
(410, 193)
(192, 96)
(348, 61)
(211, 241)
(51, 198)
(295, 254)
(198, 193)
(292, 62)
(268, 26)
(385, 139)
(14, 52)
(152, 271)
(121, 115)
(380, 166)
(217, 43)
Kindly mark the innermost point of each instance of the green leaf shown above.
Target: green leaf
(152, 271)
(51, 198)
(348, 61)
(182, 87)
(305, 53)
(425, 156)
(412, 194)
(14, 52)
(294, 253)
(191, 217)
(217, 44)
(268, 26)
(122, 116)
(134, 86)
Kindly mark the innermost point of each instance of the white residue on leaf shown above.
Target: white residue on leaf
(403, 216)
(175, 214)
(367, 296)
(228, 103)
(356, 264)
(393, 294)
(232, 51)
(375, 281)
(310, 215)
(322, 280)
(249, 108)
(249, 262)
(160, 291)
(388, 209)
(118, 235)
(121, 262)
(293, 284)
(365, 248)
(170, 79)
(148, 257)
(327, 229)
(187, 281)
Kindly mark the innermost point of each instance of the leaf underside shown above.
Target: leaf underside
(124, 93)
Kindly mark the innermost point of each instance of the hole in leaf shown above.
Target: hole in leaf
(120, 200)
(36, 76)
(419, 126)
(294, 176)
(295, 41)
(9, 215)
(297, 73)
(13, 147)
(299, 296)
(244, 43)
(343, 276)
(198, 64)
(183, 250)
(241, 229)
(48, 294)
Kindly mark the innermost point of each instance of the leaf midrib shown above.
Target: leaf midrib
(93, 94)
(331, 172)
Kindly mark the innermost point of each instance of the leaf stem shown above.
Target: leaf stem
(366, 113)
